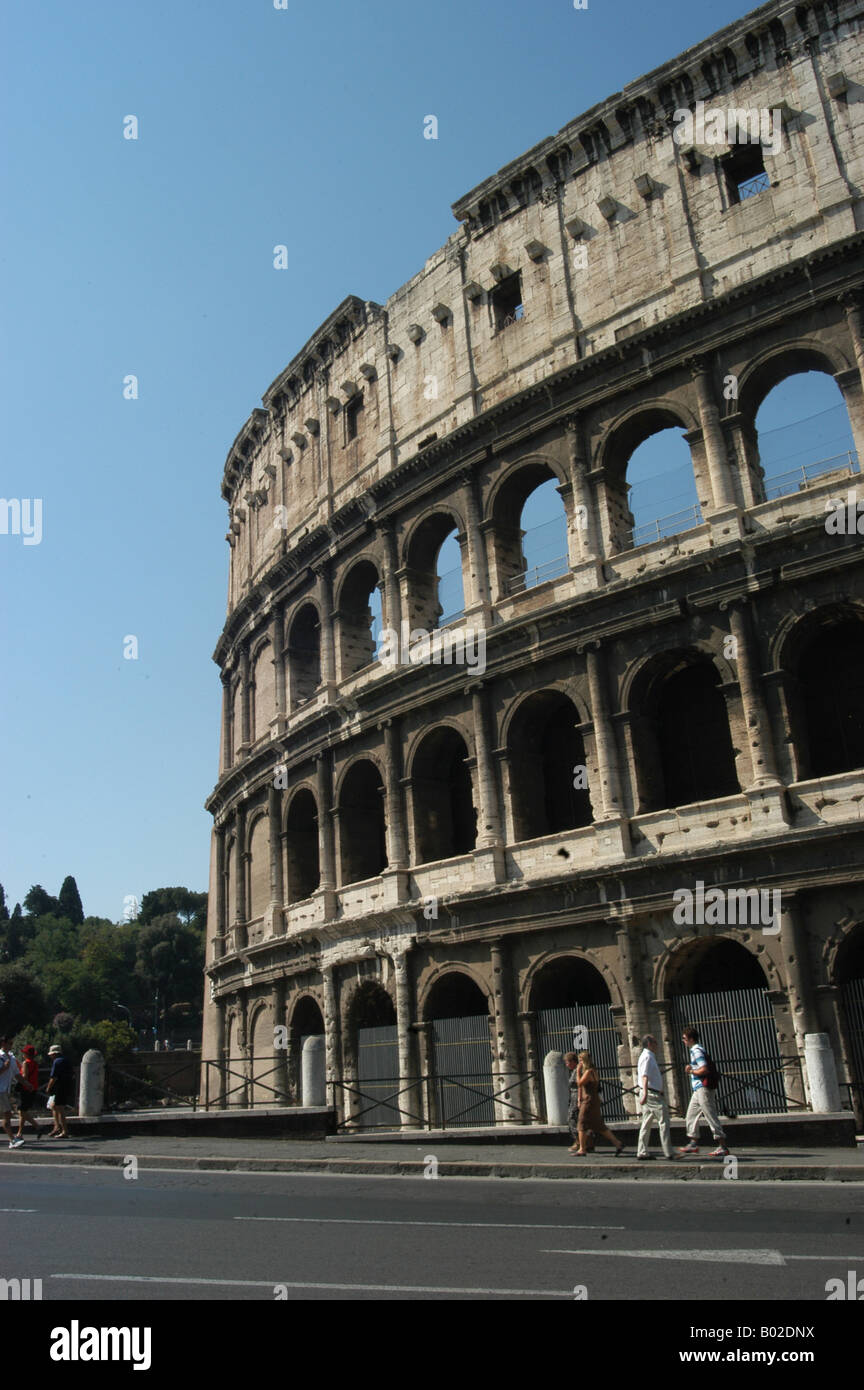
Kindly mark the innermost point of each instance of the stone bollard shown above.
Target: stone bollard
(188, 1044)
(557, 1089)
(821, 1074)
(91, 1085)
(313, 1087)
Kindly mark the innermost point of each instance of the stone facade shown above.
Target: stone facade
(392, 846)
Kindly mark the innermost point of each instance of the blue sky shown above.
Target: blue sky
(155, 258)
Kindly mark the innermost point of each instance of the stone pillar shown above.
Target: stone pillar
(313, 1072)
(323, 791)
(712, 435)
(273, 921)
(221, 912)
(423, 1032)
(392, 606)
(410, 1099)
(91, 1083)
(609, 802)
(240, 878)
(489, 843)
(279, 1078)
(765, 793)
(529, 1052)
(821, 1074)
(397, 854)
(227, 751)
(633, 984)
(509, 1103)
(333, 1040)
(853, 393)
(799, 983)
(328, 644)
(277, 645)
(584, 519)
(671, 1079)
(477, 591)
(245, 719)
(556, 1088)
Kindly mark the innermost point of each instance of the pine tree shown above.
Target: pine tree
(70, 901)
(4, 911)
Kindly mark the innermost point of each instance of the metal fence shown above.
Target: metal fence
(555, 1033)
(377, 1073)
(852, 999)
(781, 484)
(738, 1030)
(462, 1071)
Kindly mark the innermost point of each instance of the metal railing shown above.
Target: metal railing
(480, 1092)
(750, 187)
(246, 1084)
(781, 484)
(665, 526)
(538, 574)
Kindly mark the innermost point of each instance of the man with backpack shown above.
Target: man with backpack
(703, 1104)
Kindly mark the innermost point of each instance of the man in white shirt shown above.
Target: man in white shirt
(652, 1099)
(8, 1072)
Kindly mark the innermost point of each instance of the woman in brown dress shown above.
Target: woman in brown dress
(590, 1116)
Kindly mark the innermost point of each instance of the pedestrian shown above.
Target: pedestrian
(60, 1089)
(571, 1062)
(28, 1087)
(589, 1119)
(703, 1102)
(652, 1100)
(9, 1071)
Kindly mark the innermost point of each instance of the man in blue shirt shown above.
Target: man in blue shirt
(703, 1105)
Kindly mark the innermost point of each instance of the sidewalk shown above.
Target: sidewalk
(453, 1159)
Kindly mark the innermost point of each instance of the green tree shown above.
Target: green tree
(114, 1038)
(69, 901)
(4, 911)
(188, 906)
(170, 959)
(38, 903)
(21, 999)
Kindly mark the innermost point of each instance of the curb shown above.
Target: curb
(670, 1172)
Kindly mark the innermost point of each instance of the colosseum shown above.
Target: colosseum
(517, 739)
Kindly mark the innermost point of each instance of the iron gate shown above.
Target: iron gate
(378, 1076)
(462, 1071)
(555, 1034)
(852, 996)
(738, 1030)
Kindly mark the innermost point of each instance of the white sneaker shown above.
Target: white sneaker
(15, 1143)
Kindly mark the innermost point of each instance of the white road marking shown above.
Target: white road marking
(468, 1225)
(744, 1257)
(17, 1208)
(351, 1288)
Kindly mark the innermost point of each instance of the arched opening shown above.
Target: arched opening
(362, 838)
(650, 483)
(259, 868)
(717, 986)
(831, 699)
(307, 1021)
(801, 432)
(682, 727)
(372, 1038)
(849, 974)
(530, 529)
(461, 1061)
(445, 822)
(573, 1010)
(359, 619)
(548, 771)
(434, 564)
(301, 845)
(304, 655)
(266, 1089)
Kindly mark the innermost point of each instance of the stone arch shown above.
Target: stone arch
(426, 605)
(306, 1015)
(613, 454)
(767, 369)
(434, 986)
(259, 864)
(549, 963)
(821, 656)
(705, 964)
(302, 844)
(504, 507)
(356, 613)
(303, 651)
(683, 749)
(445, 818)
(361, 821)
(544, 747)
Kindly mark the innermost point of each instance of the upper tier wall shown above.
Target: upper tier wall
(656, 234)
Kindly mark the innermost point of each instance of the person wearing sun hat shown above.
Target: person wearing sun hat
(28, 1085)
(60, 1087)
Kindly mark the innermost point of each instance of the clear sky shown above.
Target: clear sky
(154, 257)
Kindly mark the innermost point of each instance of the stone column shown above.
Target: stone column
(853, 391)
(392, 605)
(277, 643)
(410, 1100)
(240, 878)
(323, 791)
(397, 854)
(423, 1033)
(477, 593)
(227, 752)
(799, 983)
(332, 1042)
(245, 719)
(221, 913)
(279, 1078)
(584, 519)
(608, 805)
(328, 645)
(632, 984)
(712, 435)
(533, 1064)
(273, 920)
(671, 1079)
(489, 841)
(509, 1103)
(762, 757)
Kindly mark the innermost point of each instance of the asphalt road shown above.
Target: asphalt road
(92, 1234)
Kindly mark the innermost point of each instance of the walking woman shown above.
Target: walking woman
(28, 1086)
(590, 1116)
